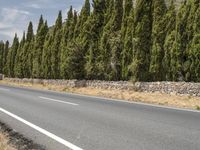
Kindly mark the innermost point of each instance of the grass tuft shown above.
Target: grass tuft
(198, 108)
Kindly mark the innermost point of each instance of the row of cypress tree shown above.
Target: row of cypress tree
(146, 42)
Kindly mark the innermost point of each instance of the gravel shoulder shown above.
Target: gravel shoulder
(4, 142)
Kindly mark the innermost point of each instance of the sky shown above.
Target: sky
(16, 14)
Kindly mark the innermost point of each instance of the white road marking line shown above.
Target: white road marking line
(2, 89)
(43, 131)
(59, 101)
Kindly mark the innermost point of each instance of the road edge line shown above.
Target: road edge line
(43, 131)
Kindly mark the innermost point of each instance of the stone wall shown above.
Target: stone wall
(1, 76)
(122, 85)
(179, 88)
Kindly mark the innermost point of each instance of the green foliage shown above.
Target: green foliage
(181, 43)
(142, 41)
(192, 36)
(127, 43)
(68, 35)
(170, 21)
(116, 45)
(197, 107)
(46, 57)
(19, 59)
(194, 54)
(111, 41)
(1, 56)
(158, 38)
(74, 62)
(111, 33)
(40, 24)
(109, 10)
(85, 13)
(38, 48)
(91, 36)
(128, 6)
(11, 57)
(27, 53)
(5, 55)
(168, 60)
(55, 48)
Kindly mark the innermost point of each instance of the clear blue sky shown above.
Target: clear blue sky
(16, 14)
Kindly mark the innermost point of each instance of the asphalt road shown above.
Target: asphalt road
(63, 121)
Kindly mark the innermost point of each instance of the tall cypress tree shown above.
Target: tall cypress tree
(193, 6)
(90, 38)
(55, 48)
(11, 57)
(110, 58)
(127, 52)
(38, 48)
(1, 55)
(6, 49)
(67, 43)
(46, 57)
(128, 6)
(181, 42)
(27, 54)
(194, 55)
(74, 62)
(117, 15)
(19, 58)
(41, 23)
(170, 21)
(142, 44)
(109, 10)
(158, 38)
(85, 13)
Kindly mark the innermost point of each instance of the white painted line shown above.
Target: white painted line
(59, 101)
(43, 131)
(2, 89)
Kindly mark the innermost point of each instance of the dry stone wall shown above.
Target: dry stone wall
(1, 76)
(179, 88)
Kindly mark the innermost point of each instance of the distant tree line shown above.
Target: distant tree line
(148, 42)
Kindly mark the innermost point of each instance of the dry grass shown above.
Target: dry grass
(4, 143)
(152, 98)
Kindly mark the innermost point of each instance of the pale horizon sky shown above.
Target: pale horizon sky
(16, 14)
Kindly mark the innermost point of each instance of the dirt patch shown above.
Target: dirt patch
(183, 101)
(11, 140)
(4, 143)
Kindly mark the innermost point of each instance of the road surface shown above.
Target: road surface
(62, 121)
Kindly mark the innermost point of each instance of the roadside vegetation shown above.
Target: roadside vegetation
(198, 108)
(152, 41)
